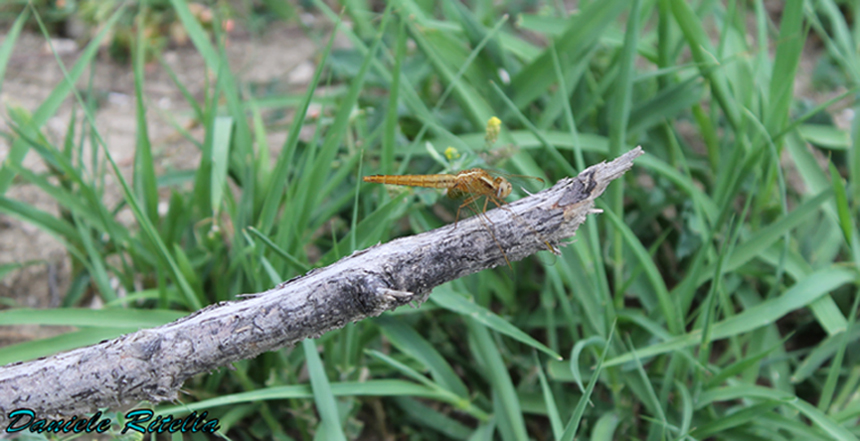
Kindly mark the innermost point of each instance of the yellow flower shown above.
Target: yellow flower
(494, 126)
(451, 153)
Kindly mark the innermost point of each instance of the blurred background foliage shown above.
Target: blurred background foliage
(715, 298)
(81, 19)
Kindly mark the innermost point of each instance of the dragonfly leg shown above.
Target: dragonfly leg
(500, 202)
(468, 204)
(465, 203)
(481, 217)
(484, 212)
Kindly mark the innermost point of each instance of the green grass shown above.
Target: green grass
(715, 298)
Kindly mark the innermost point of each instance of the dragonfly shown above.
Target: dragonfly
(470, 185)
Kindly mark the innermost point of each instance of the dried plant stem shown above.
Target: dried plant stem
(152, 364)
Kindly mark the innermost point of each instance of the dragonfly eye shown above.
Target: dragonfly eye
(504, 189)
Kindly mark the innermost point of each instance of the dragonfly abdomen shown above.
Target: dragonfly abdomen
(429, 181)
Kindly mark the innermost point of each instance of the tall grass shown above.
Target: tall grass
(715, 297)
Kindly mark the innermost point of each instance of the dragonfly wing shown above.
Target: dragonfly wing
(529, 184)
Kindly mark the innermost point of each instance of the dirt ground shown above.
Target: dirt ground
(284, 56)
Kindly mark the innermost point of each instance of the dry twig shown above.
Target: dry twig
(152, 364)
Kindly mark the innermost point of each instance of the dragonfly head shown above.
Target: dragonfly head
(503, 188)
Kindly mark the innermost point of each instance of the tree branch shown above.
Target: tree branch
(152, 364)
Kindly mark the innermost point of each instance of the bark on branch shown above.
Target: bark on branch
(152, 364)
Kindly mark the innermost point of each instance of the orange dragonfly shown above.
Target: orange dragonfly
(470, 185)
